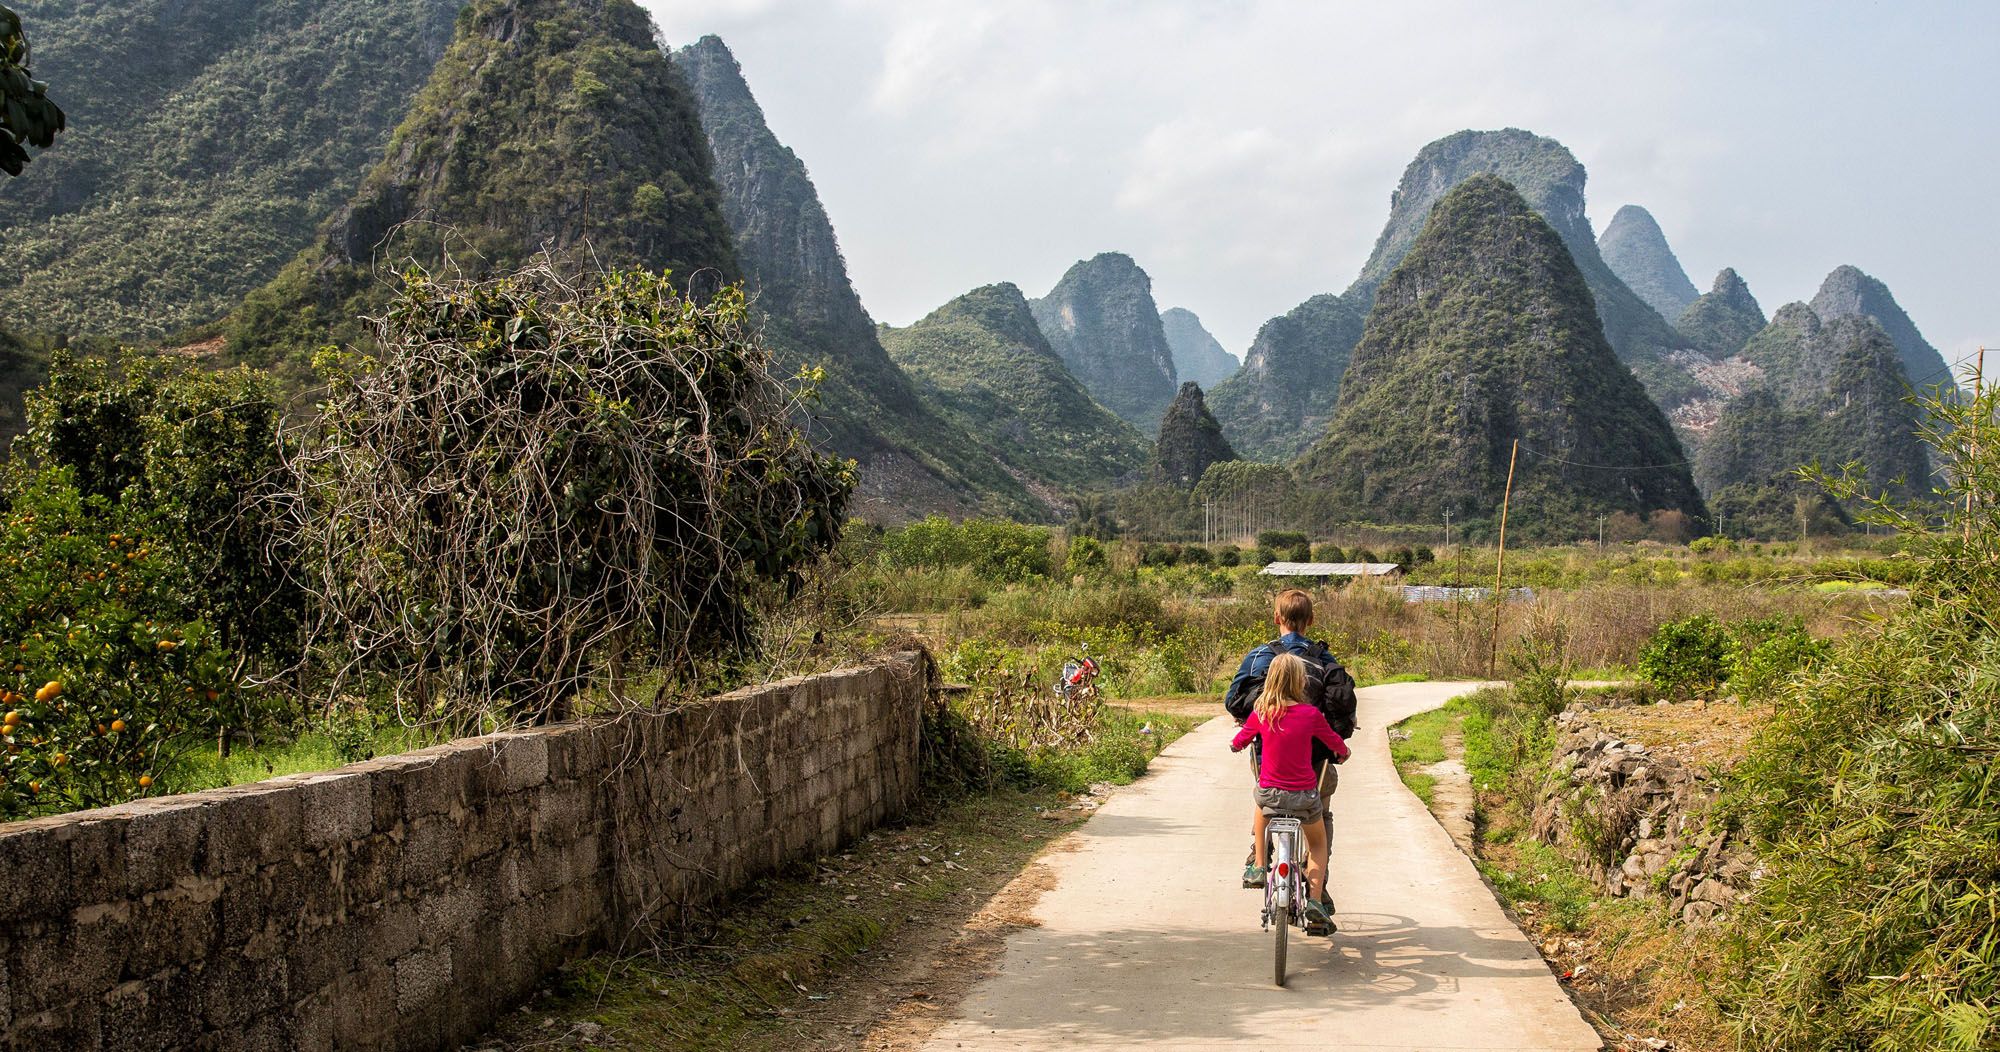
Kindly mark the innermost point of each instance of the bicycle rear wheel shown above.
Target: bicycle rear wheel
(1281, 924)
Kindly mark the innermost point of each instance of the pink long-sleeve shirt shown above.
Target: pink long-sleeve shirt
(1286, 760)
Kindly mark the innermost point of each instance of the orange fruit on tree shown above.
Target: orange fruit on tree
(50, 691)
(13, 718)
(117, 725)
(145, 781)
(166, 644)
(59, 759)
(34, 787)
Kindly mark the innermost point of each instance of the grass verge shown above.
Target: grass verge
(1418, 742)
(1635, 973)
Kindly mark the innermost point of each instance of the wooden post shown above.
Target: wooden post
(1972, 472)
(1500, 565)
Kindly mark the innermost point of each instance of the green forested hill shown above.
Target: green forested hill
(1279, 403)
(1832, 391)
(1190, 440)
(985, 363)
(1485, 332)
(1102, 320)
(1549, 177)
(914, 460)
(548, 124)
(1724, 318)
(1636, 250)
(206, 143)
(1847, 291)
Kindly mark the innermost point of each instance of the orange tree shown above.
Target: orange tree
(107, 676)
(138, 584)
(194, 453)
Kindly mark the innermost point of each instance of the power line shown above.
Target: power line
(1607, 467)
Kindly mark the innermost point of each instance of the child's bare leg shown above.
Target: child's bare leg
(1263, 846)
(1316, 847)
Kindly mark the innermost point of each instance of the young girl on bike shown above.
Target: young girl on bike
(1285, 727)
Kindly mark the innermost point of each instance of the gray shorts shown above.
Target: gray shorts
(1302, 804)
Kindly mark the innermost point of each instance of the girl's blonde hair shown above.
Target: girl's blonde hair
(1284, 684)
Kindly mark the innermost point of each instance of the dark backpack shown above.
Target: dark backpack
(1328, 687)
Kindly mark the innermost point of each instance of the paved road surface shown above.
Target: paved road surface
(1147, 941)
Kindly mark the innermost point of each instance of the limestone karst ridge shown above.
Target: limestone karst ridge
(1847, 290)
(1483, 333)
(1198, 355)
(1636, 250)
(913, 459)
(1190, 440)
(619, 174)
(1552, 181)
(209, 142)
(1102, 321)
(1721, 320)
(983, 361)
(1829, 391)
(1280, 401)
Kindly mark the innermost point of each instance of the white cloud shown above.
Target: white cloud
(1244, 151)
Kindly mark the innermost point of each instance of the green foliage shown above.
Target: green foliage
(1486, 332)
(995, 549)
(1542, 876)
(1085, 557)
(26, 114)
(110, 672)
(1280, 539)
(211, 141)
(1769, 651)
(1689, 656)
(622, 472)
(1874, 800)
(197, 453)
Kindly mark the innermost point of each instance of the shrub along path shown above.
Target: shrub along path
(1146, 941)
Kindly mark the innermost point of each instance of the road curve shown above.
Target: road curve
(1146, 940)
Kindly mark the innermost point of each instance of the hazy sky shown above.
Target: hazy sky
(1244, 152)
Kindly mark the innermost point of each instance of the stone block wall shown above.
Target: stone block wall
(404, 902)
(1640, 822)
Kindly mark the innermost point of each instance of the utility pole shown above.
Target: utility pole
(1978, 389)
(1447, 529)
(1500, 565)
(1600, 533)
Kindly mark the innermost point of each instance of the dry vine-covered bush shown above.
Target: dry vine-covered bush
(535, 481)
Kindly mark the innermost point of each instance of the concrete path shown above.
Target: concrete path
(1147, 941)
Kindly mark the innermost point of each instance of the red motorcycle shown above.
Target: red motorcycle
(1079, 678)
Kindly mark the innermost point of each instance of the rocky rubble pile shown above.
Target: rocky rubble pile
(1639, 822)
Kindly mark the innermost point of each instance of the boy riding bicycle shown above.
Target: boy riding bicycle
(1287, 729)
(1328, 688)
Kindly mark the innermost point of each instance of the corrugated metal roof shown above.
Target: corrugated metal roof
(1330, 569)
